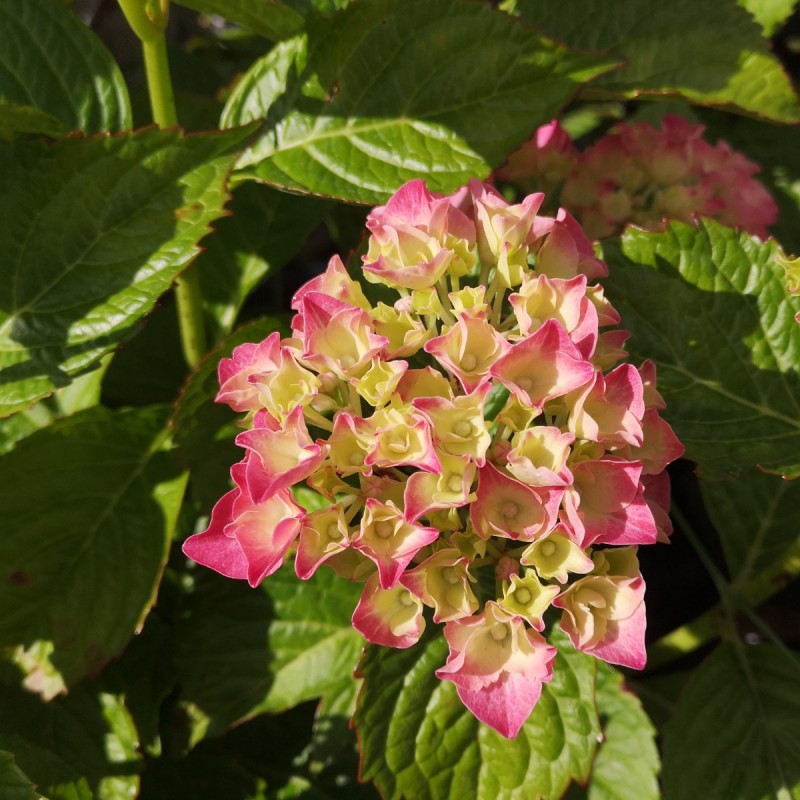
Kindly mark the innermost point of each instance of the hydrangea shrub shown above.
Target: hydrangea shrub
(427, 568)
(483, 424)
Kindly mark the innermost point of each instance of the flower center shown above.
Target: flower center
(547, 549)
(499, 631)
(399, 444)
(454, 483)
(333, 532)
(406, 599)
(525, 382)
(509, 509)
(523, 596)
(469, 362)
(450, 575)
(463, 429)
(384, 529)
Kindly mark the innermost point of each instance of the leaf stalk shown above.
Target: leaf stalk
(148, 19)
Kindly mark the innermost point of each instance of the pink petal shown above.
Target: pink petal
(212, 548)
(392, 618)
(544, 365)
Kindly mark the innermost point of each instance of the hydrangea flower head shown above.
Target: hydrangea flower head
(478, 432)
(642, 174)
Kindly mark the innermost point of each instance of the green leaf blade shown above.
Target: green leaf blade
(83, 551)
(707, 54)
(74, 748)
(708, 305)
(770, 14)
(384, 91)
(51, 61)
(269, 18)
(743, 700)
(14, 784)
(93, 232)
(755, 516)
(627, 762)
(273, 647)
(418, 740)
(265, 229)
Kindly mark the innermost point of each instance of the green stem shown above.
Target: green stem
(148, 18)
(159, 82)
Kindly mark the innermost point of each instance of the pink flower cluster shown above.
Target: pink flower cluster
(644, 175)
(477, 447)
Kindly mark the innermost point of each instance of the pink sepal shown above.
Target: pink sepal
(507, 507)
(389, 617)
(280, 457)
(468, 349)
(657, 496)
(426, 492)
(568, 304)
(623, 639)
(610, 409)
(392, 553)
(606, 505)
(212, 548)
(246, 360)
(542, 366)
(265, 531)
(316, 545)
(500, 683)
(334, 282)
(660, 446)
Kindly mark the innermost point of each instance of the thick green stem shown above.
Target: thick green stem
(148, 18)
(159, 82)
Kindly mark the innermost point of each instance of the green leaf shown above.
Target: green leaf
(150, 368)
(89, 504)
(16, 120)
(711, 54)
(770, 14)
(389, 90)
(627, 760)
(708, 305)
(82, 393)
(14, 429)
(419, 741)
(205, 430)
(736, 732)
(14, 784)
(305, 7)
(51, 61)
(265, 229)
(756, 517)
(261, 759)
(244, 651)
(92, 232)
(333, 750)
(74, 748)
(270, 18)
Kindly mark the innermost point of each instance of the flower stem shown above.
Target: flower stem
(148, 19)
(159, 82)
